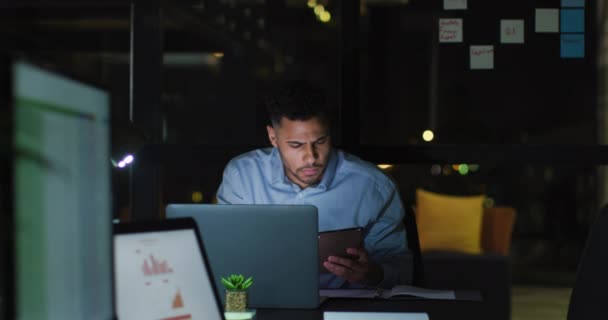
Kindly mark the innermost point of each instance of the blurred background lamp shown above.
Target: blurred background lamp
(126, 160)
(428, 135)
(436, 169)
(197, 196)
(318, 9)
(463, 169)
(127, 140)
(325, 16)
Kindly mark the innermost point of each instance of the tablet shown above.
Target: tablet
(335, 243)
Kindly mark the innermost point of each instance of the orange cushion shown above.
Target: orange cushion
(497, 229)
(448, 222)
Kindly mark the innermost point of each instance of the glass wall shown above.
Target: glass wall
(90, 42)
(420, 71)
(221, 57)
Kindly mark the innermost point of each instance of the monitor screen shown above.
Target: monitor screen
(61, 196)
(162, 275)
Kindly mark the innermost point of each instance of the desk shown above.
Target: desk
(436, 309)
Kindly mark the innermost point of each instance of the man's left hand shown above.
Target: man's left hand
(358, 269)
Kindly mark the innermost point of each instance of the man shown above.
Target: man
(303, 168)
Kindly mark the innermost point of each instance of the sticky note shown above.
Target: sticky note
(546, 20)
(454, 4)
(482, 57)
(572, 45)
(511, 31)
(573, 3)
(572, 20)
(450, 30)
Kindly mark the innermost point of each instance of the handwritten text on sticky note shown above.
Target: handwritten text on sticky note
(450, 30)
(482, 57)
(511, 31)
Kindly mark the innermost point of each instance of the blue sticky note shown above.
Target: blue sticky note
(572, 20)
(572, 45)
(573, 3)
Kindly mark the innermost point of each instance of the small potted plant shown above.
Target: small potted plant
(236, 292)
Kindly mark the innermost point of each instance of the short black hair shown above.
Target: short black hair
(298, 100)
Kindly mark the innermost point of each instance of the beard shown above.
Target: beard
(308, 179)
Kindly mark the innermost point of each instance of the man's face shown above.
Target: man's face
(304, 147)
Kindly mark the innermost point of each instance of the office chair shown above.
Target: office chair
(413, 245)
(588, 298)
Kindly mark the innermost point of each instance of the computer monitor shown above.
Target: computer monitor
(61, 196)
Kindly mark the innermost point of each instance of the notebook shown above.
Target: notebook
(276, 244)
(161, 272)
(397, 292)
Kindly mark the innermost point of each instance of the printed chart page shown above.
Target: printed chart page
(162, 276)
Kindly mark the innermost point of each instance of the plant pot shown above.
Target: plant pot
(236, 300)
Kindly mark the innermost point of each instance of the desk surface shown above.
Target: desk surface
(436, 309)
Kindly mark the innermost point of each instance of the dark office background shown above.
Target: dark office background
(186, 91)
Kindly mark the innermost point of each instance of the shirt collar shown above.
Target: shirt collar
(330, 170)
(277, 173)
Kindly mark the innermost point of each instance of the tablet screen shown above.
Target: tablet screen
(335, 243)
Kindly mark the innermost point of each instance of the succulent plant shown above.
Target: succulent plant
(237, 282)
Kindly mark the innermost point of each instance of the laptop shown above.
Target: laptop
(275, 244)
(161, 272)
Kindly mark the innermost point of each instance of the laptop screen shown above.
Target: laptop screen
(162, 275)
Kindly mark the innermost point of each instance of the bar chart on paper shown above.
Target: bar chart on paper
(156, 279)
(152, 266)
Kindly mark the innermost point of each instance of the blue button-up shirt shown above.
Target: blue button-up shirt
(352, 193)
